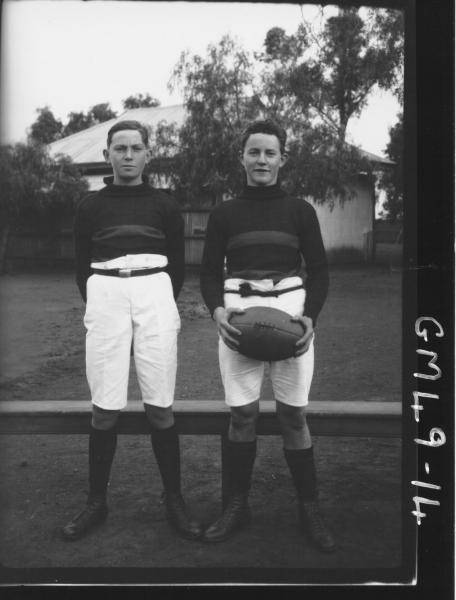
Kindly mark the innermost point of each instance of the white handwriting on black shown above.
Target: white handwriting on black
(436, 435)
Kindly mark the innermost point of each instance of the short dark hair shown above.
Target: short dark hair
(134, 125)
(267, 126)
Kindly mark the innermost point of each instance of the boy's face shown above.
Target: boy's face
(262, 159)
(128, 156)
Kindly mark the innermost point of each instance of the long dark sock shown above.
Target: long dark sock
(102, 447)
(302, 467)
(237, 466)
(165, 444)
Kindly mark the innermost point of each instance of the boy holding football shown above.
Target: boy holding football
(129, 247)
(264, 235)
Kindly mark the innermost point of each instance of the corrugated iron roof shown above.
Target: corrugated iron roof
(375, 158)
(86, 147)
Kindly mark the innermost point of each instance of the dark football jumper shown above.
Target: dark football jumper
(264, 234)
(120, 220)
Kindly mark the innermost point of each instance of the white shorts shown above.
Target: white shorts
(125, 309)
(242, 377)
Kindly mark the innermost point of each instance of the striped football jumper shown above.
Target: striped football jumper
(119, 220)
(264, 234)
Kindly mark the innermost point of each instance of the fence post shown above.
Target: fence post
(368, 246)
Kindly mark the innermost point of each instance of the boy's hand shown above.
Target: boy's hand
(227, 332)
(302, 345)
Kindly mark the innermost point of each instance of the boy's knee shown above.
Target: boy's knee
(244, 417)
(159, 417)
(292, 417)
(104, 419)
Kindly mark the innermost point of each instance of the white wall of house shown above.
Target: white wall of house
(346, 224)
(95, 182)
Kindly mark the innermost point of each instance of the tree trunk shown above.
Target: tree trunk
(342, 131)
(4, 239)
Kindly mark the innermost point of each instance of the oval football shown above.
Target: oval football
(268, 334)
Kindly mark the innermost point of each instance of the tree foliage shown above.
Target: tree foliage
(102, 112)
(329, 75)
(31, 179)
(23, 173)
(279, 59)
(140, 101)
(164, 151)
(46, 128)
(311, 82)
(33, 183)
(78, 121)
(218, 97)
(292, 89)
(66, 186)
(388, 27)
(392, 180)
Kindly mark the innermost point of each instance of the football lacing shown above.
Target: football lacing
(264, 324)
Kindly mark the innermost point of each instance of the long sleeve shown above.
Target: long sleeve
(314, 254)
(211, 279)
(82, 247)
(175, 250)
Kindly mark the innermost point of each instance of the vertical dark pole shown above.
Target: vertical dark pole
(223, 443)
(373, 248)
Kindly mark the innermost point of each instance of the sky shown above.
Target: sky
(70, 55)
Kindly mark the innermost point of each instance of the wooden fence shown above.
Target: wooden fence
(27, 245)
(202, 417)
(31, 246)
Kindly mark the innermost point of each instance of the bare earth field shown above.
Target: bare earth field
(44, 477)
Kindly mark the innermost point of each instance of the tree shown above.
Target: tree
(102, 112)
(311, 82)
(77, 121)
(32, 182)
(218, 98)
(388, 26)
(315, 82)
(349, 59)
(392, 180)
(46, 128)
(280, 58)
(164, 151)
(140, 101)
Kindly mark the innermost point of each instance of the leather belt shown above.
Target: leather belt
(245, 289)
(127, 272)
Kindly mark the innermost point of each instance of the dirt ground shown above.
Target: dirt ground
(44, 477)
